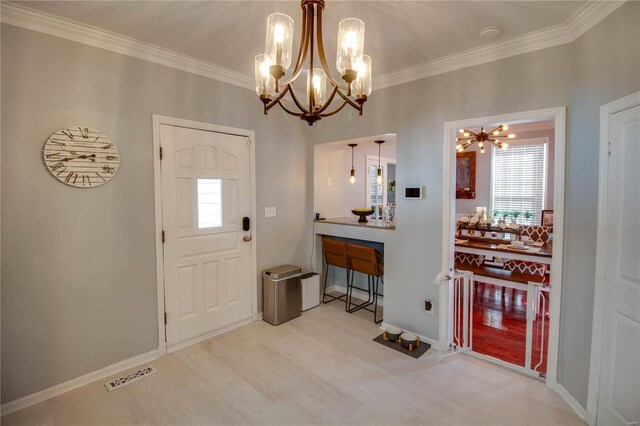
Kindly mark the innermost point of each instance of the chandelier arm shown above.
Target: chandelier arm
(310, 88)
(329, 100)
(349, 101)
(280, 96)
(323, 59)
(296, 101)
(500, 126)
(337, 110)
(288, 111)
(304, 44)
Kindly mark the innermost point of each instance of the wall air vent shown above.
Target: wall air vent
(130, 378)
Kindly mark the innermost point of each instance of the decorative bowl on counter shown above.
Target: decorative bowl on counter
(363, 213)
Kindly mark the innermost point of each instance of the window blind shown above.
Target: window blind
(519, 180)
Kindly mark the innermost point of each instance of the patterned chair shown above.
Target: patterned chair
(474, 260)
(468, 259)
(530, 268)
(537, 233)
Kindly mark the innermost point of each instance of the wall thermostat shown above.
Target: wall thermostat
(414, 192)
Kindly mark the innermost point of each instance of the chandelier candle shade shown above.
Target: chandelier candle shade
(495, 137)
(351, 62)
(352, 178)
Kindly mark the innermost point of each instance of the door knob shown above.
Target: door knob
(246, 238)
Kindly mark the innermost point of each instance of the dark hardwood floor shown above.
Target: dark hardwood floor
(500, 326)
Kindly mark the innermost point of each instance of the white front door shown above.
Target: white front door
(206, 193)
(619, 393)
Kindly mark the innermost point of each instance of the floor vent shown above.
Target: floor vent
(130, 378)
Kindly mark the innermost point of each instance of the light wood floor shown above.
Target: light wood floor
(321, 368)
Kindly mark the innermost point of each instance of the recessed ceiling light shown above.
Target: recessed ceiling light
(490, 33)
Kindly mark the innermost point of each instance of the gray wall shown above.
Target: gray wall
(78, 265)
(599, 67)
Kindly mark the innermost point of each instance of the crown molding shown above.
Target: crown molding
(526, 43)
(591, 14)
(581, 21)
(31, 19)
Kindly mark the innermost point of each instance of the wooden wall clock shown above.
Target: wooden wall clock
(81, 156)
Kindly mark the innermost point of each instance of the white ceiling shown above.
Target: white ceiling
(399, 34)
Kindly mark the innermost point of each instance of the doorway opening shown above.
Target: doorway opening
(502, 244)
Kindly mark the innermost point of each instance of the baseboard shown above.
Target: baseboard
(433, 343)
(575, 405)
(72, 384)
(199, 339)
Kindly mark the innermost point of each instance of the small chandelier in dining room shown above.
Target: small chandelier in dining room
(351, 62)
(495, 137)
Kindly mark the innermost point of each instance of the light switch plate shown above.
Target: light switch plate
(269, 211)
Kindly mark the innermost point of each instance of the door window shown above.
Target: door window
(209, 203)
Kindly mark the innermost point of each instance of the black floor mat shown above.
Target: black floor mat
(417, 352)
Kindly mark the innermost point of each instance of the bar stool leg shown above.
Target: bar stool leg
(347, 305)
(375, 296)
(324, 287)
(353, 307)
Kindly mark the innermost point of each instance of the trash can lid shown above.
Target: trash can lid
(282, 271)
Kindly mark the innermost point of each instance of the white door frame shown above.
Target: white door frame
(558, 114)
(159, 120)
(606, 111)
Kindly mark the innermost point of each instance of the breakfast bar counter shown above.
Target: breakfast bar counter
(375, 233)
(353, 221)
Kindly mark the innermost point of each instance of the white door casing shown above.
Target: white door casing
(615, 391)
(558, 114)
(208, 268)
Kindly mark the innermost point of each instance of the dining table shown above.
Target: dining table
(535, 252)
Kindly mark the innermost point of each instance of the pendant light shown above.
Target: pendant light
(352, 178)
(379, 172)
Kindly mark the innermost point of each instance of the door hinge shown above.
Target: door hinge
(609, 148)
(165, 318)
(161, 153)
(162, 236)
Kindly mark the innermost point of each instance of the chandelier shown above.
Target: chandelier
(353, 66)
(494, 137)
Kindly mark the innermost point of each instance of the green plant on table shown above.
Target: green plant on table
(528, 215)
(515, 214)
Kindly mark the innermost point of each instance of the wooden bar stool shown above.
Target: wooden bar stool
(335, 254)
(366, 260)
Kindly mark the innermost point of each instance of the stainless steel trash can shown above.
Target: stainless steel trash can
(282, 295)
